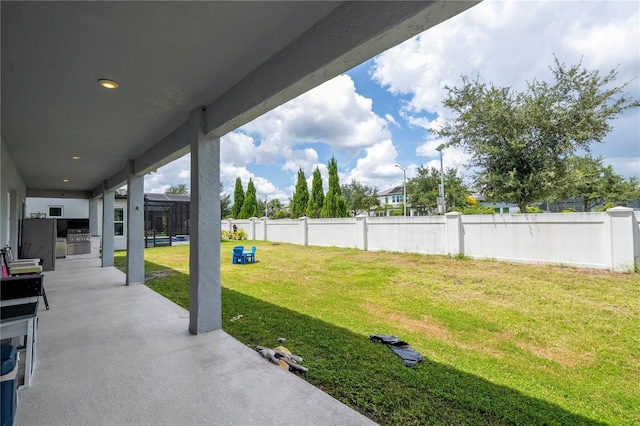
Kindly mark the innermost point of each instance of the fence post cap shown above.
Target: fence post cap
(620, 211)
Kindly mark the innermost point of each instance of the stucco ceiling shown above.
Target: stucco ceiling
(169, 58)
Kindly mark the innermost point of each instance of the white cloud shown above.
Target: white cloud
(264, 187)
(174, 173)
(376, 168)
(305, 159)
(391, 119)
(332, 113)
(237, 148)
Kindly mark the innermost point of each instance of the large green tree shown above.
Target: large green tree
(422, 190)
(250, 204)
(596, 183)
(316, 199)
(519, 141)
(334, 203)
(179, 189)
(359, 197)
(238, 199)
(300, 196)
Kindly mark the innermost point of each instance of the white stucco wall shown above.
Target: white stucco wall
(71, 208)
(418, 234)
(332, 232)
(576, 239)
(609, 240)
(284, 231)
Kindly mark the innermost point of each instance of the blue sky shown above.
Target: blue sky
(378, 113)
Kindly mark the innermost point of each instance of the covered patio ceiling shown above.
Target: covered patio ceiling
(68, 135)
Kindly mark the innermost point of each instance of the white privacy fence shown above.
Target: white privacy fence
(609, 240)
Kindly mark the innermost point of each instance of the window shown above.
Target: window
(118, 221)
(55, 211)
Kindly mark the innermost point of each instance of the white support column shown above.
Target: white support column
(620, 248)
(264, 228)
(304, 231)
(135, 227)
(108, 204)
(93, 217)
(205, 303)
(453, 226)
(252, 228)
(361, 232)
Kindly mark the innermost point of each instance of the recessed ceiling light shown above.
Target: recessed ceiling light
(108, 84)
(75, 157)
(65, 180)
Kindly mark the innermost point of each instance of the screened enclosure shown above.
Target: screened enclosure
(166, 215)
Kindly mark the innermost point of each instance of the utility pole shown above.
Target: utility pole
(404, 196)
(442, 204)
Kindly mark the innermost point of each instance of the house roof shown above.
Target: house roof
(168, 197)
(396, 190)
(235, 59)
(155, 197)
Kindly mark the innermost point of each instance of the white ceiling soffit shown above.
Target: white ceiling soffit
(238, 59)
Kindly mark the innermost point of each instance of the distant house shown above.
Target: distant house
(392, 198)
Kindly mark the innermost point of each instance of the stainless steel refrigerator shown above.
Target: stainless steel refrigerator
(39, 241)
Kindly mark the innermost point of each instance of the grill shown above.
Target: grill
(78, 241)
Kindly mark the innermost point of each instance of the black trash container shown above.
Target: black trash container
(8, 384)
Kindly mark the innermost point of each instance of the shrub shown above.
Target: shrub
(605, 207)
(479, 209)
(240, 234)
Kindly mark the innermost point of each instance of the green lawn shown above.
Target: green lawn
(503, 343)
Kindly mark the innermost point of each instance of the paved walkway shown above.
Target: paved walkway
(109, 354)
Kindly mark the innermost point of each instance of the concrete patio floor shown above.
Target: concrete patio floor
(109, 354)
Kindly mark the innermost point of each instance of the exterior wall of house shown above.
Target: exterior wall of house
(394, 200)
(609, 240)
(13, 193)
(70, 208)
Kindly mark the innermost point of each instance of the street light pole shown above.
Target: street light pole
(443, 202)
(266, 209)
(266, 206)
(404, 196)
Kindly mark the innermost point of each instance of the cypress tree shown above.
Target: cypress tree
(250, 205)
(334, 203)
(317, 195)
(238, 199)
(300, 197)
